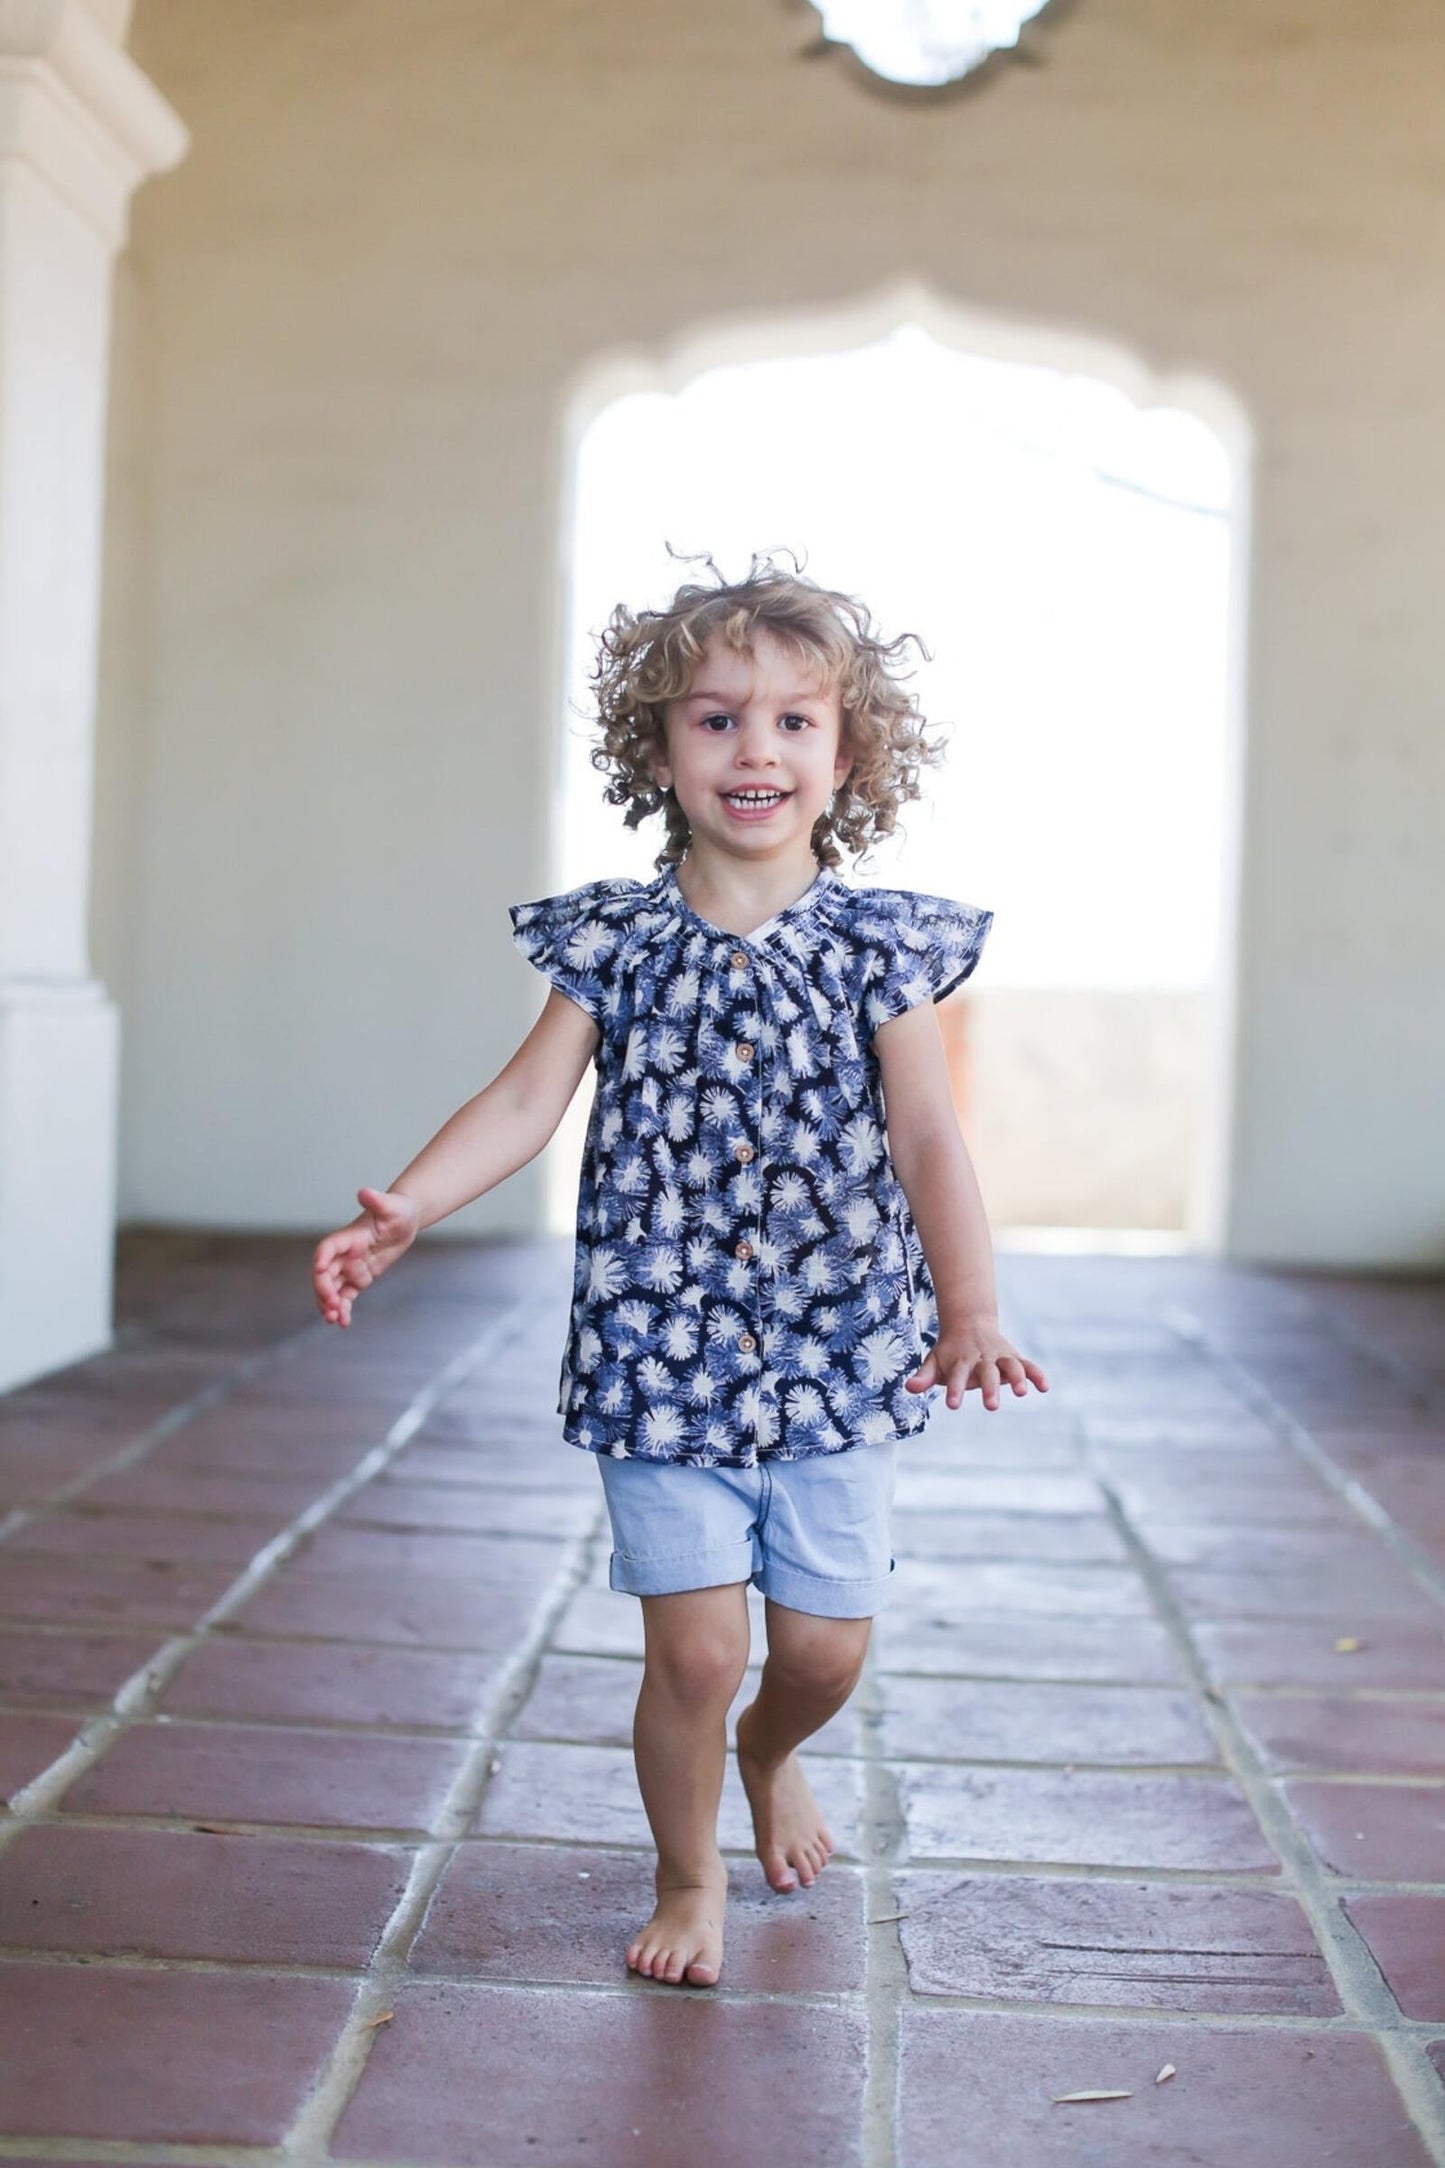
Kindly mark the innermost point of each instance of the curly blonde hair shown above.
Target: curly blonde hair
(645, 660)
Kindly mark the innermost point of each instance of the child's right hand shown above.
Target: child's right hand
(356, 1255)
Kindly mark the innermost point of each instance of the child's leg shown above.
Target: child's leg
(812, 1667)
(696, 1653)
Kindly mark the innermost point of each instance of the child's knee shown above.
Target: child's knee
(695, 1654)
(824, 1658)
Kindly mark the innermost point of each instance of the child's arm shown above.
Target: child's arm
(486, 1140)
(931, 1161)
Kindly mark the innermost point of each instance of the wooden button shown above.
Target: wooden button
(739, 959)
(743, 1250)
(747, 1343)
(744, 1152)
(744, 1051)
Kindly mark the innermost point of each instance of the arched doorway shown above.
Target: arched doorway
(1067, 533)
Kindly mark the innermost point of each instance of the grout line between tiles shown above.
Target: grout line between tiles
(309, 2136)
(137, 1696)
(883, 1840)
(1358, 1979)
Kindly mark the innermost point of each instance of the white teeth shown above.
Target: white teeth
(755, 797)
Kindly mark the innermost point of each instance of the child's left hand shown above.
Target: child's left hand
(975, 1354)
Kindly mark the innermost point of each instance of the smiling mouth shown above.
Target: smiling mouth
(756, 798)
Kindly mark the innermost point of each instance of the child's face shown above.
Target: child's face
(760, 722)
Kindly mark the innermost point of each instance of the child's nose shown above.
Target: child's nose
(756, 744)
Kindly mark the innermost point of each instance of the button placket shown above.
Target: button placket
(743, 1248)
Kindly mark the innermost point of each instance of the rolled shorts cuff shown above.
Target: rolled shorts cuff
(672, 1573)
(825, 1598)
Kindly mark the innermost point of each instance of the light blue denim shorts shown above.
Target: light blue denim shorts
(813, 1534)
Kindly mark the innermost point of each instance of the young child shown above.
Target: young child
(781, 1248)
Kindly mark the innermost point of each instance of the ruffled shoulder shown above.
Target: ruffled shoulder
(574, 939)
(912, 947)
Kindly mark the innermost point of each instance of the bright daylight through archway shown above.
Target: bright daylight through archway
(1066, 556)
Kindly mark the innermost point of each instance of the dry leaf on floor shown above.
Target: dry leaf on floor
(1167, 2072)
(882, 1918)
(1347, 1644)
(372, 2022)
(1062, 2099)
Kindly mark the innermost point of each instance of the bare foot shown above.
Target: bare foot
(793, 1840)
(683, 1941)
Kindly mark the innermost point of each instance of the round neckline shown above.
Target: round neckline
(721, 933)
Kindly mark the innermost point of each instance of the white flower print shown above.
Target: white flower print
(719, 1107)
(668, 1214)
(589, 1348)
(635, 1317)
(668, 1049)
(821, 1114)
(878, 1356)
(679, 1337)
(862, 1147)
(807, 1143)
(813, 1357)
(702, 1386)
(790, 1193)
(818, 1274)
(805, 1406)
(605, 1274)
(654, 1377)
(662, 1269)
(747, 1189)
(661, 1427)
(589, 945)
(678, 1115)
(861, 1219)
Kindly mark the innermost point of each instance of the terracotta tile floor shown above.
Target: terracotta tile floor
(323, 1834)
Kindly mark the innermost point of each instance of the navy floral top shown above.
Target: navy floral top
(749, 1282)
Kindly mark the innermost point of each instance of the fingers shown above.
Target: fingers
(1013, 1368)
(989, 1373)
(339, 1271)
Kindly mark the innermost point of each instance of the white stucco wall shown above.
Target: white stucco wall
(350, 326)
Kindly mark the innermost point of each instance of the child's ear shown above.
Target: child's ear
(659, 764)
(843, 762)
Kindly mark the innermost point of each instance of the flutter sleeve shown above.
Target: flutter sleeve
(573, 939)
(918, 948)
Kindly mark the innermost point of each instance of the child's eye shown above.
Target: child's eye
(805, 722)
(709, 720)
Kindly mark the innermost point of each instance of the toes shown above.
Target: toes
(779, 1871)
(702, 1973)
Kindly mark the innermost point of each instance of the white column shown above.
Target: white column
(80, 129)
